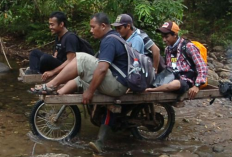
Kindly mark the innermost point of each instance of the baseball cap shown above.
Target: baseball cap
(168, 27)
(122, 19)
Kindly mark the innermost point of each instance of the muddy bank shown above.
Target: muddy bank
(19, 50)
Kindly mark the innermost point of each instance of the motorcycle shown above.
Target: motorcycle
(61, 122)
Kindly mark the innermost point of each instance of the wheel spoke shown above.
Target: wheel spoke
(43, 116)
(162, 126)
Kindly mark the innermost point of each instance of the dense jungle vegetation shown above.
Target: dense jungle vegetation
(209, 21)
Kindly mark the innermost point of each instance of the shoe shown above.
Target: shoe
(43, 90)
(98, 145)
(29, 71)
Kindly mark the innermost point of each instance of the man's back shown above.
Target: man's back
(112, 51)
(146, 40)
(137, 42)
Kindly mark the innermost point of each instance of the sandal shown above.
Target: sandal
(44, 90)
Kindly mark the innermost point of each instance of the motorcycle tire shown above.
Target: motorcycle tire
(148, 132)
(42, 121)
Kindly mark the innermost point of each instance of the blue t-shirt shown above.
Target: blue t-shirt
(113, 51)
(137, 42)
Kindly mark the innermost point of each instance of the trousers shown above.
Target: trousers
(41, 62)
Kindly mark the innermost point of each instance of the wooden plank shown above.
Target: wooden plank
(151, 97)
(32, 78)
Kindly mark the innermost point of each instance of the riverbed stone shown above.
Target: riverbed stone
(229, 53)
(218, 48)
(213, 75)
(204, 154)
(209, 59)
(211, 66)
(4, 68)
(184, 154)
(218, 64)
(53, 155)
(212, 54)
(228, 67)
(218, 149)
(225, 74)
(229, 61)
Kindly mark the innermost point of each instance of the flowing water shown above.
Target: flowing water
(17, 140)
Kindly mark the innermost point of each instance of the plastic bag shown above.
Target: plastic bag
(164, 77)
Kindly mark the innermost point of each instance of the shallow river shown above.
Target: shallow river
(16, 139)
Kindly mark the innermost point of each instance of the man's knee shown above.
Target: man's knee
(45, 58)
(36, 52)
(174, 85)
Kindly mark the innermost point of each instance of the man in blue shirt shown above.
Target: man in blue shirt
(124, 26)
(95, 75)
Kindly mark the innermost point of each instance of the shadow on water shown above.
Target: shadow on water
(16, 139)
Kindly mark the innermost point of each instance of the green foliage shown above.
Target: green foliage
(29, 18)
(210, 20)
(152, 14)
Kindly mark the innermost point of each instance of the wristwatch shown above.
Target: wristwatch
(197, 84)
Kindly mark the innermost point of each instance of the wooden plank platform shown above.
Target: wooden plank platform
(151, 97)
(33, 78)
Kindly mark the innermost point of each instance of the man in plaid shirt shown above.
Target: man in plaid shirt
(189, 78)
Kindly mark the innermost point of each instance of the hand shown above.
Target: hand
(46, 75)
(193, 92)
(55, 54)
(149, 89)
(87, 97)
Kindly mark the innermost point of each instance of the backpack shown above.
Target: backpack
(203, 53)
(225, 89)
(143, 78)
(83, 44)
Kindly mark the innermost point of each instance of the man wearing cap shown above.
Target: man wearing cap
(176, 60)
(124, 26)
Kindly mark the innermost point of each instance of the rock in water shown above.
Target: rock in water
(4, 68)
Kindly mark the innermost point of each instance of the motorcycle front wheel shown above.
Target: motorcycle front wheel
(44, 122)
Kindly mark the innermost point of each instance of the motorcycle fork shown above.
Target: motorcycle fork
(59, 113)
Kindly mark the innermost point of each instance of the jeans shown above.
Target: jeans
(41, 62)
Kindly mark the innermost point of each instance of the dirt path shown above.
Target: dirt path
(209, 124)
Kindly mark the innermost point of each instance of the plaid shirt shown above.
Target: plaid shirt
(193, 52)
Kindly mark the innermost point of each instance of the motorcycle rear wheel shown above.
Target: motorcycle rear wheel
(165, 115)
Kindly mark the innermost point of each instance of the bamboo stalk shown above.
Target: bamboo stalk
(41, 46)
(3, 51)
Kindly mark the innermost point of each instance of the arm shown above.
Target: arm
(98, 76)
(156, 56)
(201, 68)
(71, 47)
(55, 71)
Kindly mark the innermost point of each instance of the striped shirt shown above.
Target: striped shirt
(182, 65)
